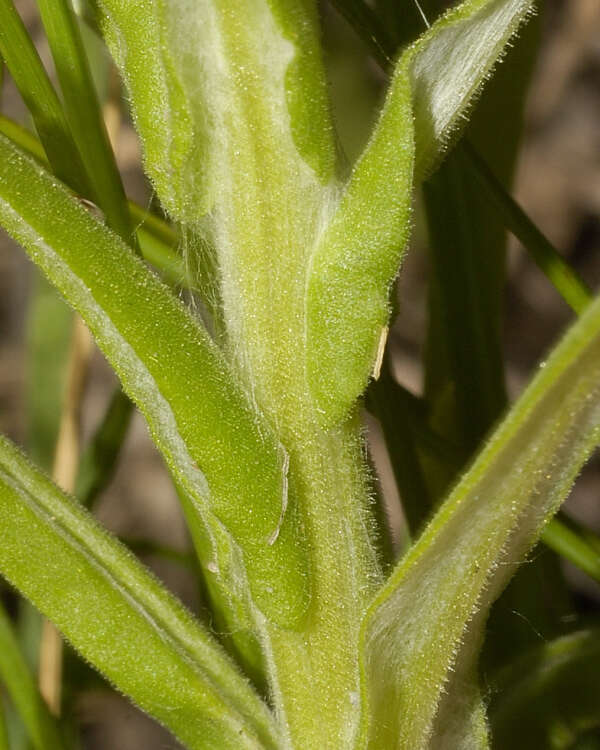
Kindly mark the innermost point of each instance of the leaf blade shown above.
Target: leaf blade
(33, 83)
(113, 611)
(168, 365)
(357, 256)
(84, 114)
(17, 678)
(481, 532)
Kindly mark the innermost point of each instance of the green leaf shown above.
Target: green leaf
(239, 144)
(187, 107)
(199, 418)
(119, 617)
(98, 459)
(33, 83)
(451, 63)
(156, 238)
(564, 278)
(466, 258)
(358, 254)
(18, 680)
(353, 265)
(84, 114)
(549, 696)
(416, 630)
(575, 544)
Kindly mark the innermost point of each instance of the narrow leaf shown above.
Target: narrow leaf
(20, 685)
(49, 327)
(459, 565)
(33, 83)
(98, 459)
(451, 63)
(358, 254)
(574, 545)
(155, 237)
(119, 617)
(200, 420)
(84, 114)
(565, 279)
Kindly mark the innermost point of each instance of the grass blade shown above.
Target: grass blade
(22, 689)
(464, 304)
(120, 618)
(48, 342)
(98, 460)
(573, 546)
(84, 114)
(448, 579)
(33, 83)
(565, 280)
(199, 418)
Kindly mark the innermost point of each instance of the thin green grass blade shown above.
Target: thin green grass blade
(33, 83)
(415, 633)
(573, 546)
(357, 256)
(22, 689)
(566, 281)
(199, 418)
(548, 697)
(467, 277)
(85, 115)
(98, 459)
(120, 618)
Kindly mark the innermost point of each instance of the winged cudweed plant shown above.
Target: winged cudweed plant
(318, 642)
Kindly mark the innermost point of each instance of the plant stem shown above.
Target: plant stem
(316, 687)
